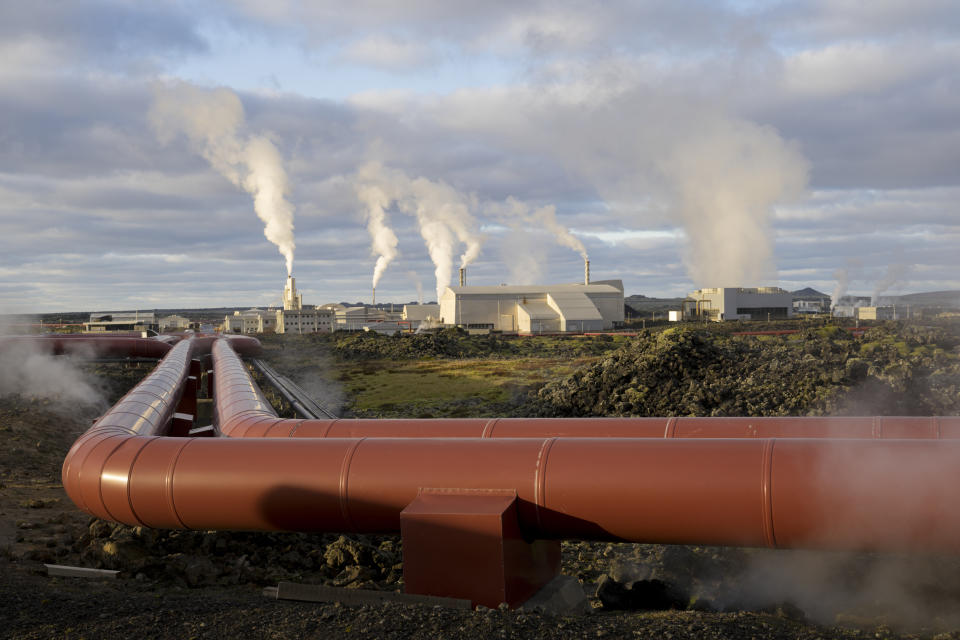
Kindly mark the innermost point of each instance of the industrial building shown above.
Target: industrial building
(304, 321)
(293, 318)
(591, 306)
(877, 313)
(250, 321)
(846, 306)
(121, 321)
(174, 323)
(417, 314)
(810, 301)
(738, 303)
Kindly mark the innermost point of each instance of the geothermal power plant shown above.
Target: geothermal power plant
(506, 490)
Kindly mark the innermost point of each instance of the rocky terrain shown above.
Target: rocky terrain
(181, 584)
(695, 371)
(445, 343)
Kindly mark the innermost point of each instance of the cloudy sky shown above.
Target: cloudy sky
(145, 148)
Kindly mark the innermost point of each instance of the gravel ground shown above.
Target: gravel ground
(209, 584)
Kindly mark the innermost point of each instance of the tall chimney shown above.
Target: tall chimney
(586, 271)
(463, 277)
(374, 303)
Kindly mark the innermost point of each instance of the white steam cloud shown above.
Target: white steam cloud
(893, 276)
(376, 189)
(213, 122)
(727, 181)
(444, 219)
(442, 213)
(842, 277)
(28, 371)
(417, 283)
(655, 157)
(543, 218)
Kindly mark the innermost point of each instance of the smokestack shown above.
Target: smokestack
(463, 277)
(586, 271)
(374, 303)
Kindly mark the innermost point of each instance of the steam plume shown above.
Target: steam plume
(727, 180)
(894, 274)
(418, 284)
(522, 255)
(212, 121)
(678, 159)
(444, 219)
(442, 214)
(842, 277)
(28, 371)
(375, 194)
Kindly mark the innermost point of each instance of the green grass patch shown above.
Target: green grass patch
(445, 387)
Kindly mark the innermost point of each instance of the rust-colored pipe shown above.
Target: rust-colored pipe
(126, 429)
(837, 493)
(241, 411)
(97, 346)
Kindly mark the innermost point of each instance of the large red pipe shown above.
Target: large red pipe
(242, 411)
(837, 493)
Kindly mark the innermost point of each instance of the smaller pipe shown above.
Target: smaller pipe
(87, 345)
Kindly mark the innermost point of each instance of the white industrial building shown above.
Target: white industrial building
(250, 321)
(293, 318)
(174, 323)
(738, 303)
(304, 321)
(416, 314)
(535, 308)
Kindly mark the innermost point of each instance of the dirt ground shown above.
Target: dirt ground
(209, 584)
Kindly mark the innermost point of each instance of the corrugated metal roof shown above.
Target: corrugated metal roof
(534, 289)
(538, 310)
(574, 305)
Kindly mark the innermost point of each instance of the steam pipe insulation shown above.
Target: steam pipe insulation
(241, 411)
(86, 345)
(136, 420)
(893, 495)
(834, 494)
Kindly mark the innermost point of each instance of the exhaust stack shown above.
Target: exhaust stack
(463, 277)
(374, 303)
(586, 271)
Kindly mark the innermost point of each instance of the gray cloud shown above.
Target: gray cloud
(594, 114)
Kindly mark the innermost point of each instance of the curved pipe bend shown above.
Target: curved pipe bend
(242, 411)
(826, 493)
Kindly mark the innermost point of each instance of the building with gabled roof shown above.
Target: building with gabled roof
(596, 306)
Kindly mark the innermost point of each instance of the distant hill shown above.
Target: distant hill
(949, 299)
(808, 292)
(639, 306)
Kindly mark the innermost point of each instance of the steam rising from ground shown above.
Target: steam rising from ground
(654, 157)
(842, 277)
(442, 213)
(727, 181)
(212, 121)
(908, 592)
(893, 276)
(27, 371)
(880, 495)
